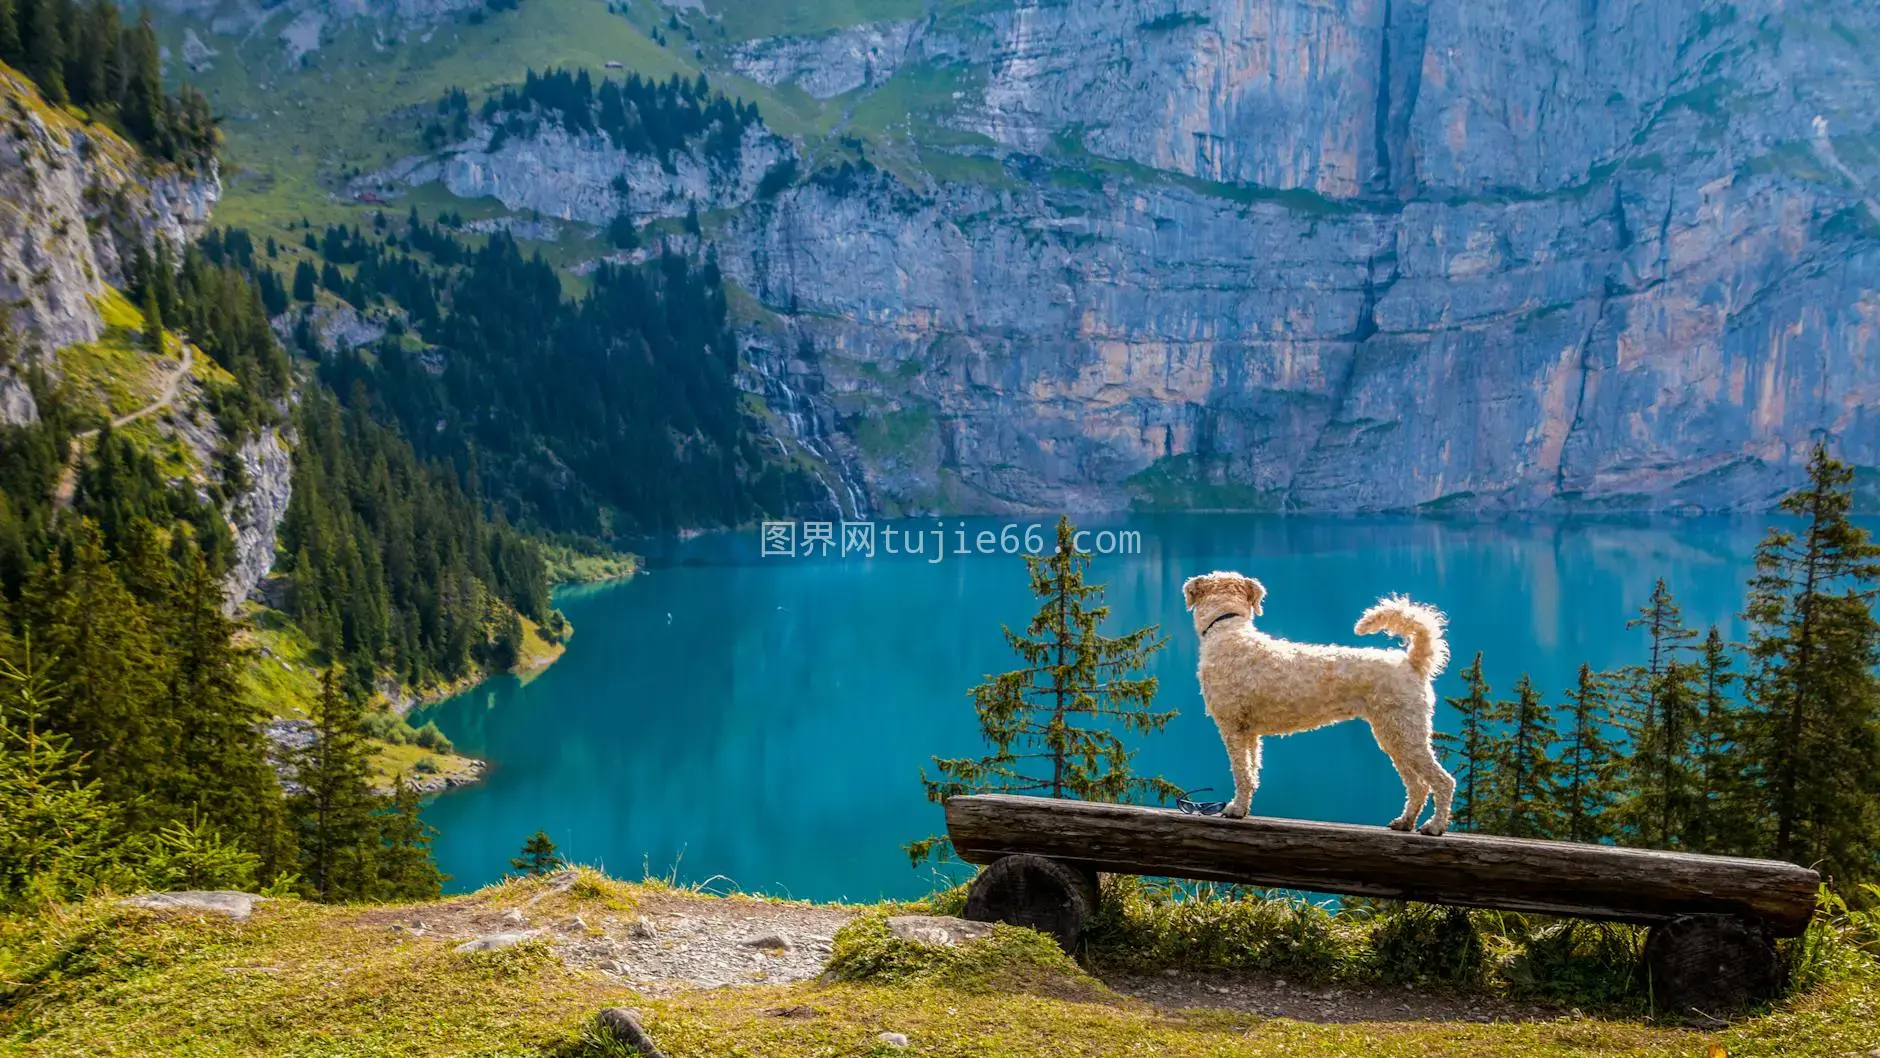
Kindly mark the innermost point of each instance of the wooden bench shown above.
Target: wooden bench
(1713, 919)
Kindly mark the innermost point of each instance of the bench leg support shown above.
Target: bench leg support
(1711, 964)
(1027, 890)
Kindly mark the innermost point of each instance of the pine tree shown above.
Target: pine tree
(1659, 714)
(43, 47)
(1473, 771)
(153, 321)
(1587, 761)
(11, 51)
(337, 833)
(222, 769)
(110, 664)
(144, 107)
(1527, 779)
(406, 869)
(538, 856)
(1052, 724)
(57, 828)
(1812, 734)
(306, 281)
(1717, 821)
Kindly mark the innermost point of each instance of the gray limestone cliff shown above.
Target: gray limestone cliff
(1355, 254)
(1290, 254)
(585, 178)
(74, 203)
(256, 513)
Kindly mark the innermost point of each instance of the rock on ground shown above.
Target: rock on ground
(236, 905)
(495, 941)
(937, 929)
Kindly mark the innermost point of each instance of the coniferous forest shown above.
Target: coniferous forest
(566, 410)
(85, 54)
(1768, 747)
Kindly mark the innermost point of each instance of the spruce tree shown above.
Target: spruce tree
(111, 667)
(1053, 724)
(1528, 786)
(1812, 732)
(1717, 821)
(1587, 760)
(406, 869)
(538, 856)
(306, 281)
(11, 52)
(153, 321)
(1659, 714)
(1466, 750)
(221, 752)
(43, 47)
(144, 106)
(57, 828)
(338, 835)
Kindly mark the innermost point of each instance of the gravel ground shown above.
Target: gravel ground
(670, 942)
(674, 941)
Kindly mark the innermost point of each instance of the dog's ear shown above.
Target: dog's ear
(1191, 590)
(1255, 592)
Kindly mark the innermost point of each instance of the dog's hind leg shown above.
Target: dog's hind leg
(1244, 758)
(1403, 754)
(1443, 785)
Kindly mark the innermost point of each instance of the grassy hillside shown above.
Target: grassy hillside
(304, 979)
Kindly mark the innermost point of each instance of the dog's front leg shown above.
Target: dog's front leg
(1243, 754)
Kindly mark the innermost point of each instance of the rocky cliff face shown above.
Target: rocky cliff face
(74, 202)
(586, 178)
(1302, 254)
(257, 513)
(1355, 254)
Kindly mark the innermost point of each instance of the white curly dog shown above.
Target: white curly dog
(1257, 685)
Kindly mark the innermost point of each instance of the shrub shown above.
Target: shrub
(1584, 963)
(1009, 958)
(429, 737)
(1145, 924)
(1420, 943)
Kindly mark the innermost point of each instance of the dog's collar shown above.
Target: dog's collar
(1219, 619)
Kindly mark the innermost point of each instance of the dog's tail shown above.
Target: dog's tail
(1419, 626)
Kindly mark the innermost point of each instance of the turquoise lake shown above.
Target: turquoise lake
(764, 720)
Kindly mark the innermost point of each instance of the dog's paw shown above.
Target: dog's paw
(1430, 828)
(1400, 824)
(1234, 811)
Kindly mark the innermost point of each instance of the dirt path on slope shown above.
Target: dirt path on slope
(68, 481)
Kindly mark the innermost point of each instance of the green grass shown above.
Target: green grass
(1069, 147)
(116, 374)
(106, 981)
(585, 565)
(391, 760)
(748, 19)
(1180, 483)
(894, 433)
(305, 980)
(286, 681)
